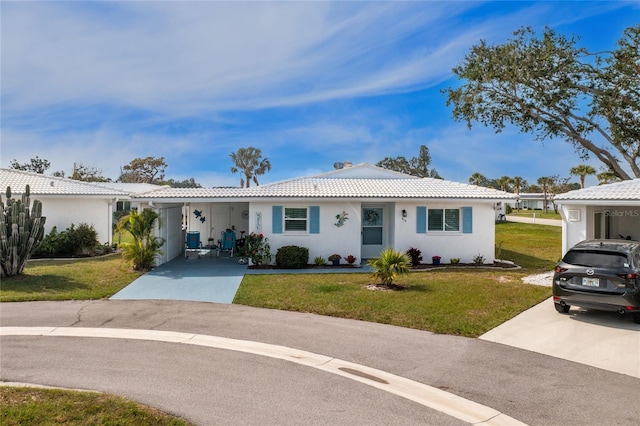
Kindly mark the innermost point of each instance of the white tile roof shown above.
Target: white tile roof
(40, 184)
(341, 188)
(618, 191)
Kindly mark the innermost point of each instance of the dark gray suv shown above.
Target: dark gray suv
(599, 274)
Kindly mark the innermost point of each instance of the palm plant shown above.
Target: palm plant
(582, 170)
(389, 266)
(145, 246)
(477, 179)
(250, 162)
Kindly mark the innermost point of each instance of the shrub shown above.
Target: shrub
(415, 255)
(73, 241)
(51, 244)
(351, 259)
(292, 257)
(478, 259)
(389, 265)
(335, 257)
(319, 261)
(256, 247)
(454, 260)
(84, 239)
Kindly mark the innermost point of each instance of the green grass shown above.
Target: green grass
(536, 248)
(465, 302)
(78, 279)
(461, 302)
(31, 406)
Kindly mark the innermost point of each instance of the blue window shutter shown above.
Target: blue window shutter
(421, 220)
(467, 220)
(276, 219)
(314, 219)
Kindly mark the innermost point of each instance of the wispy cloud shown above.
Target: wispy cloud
(194, 81)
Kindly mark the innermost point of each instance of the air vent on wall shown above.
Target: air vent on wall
(574, 216)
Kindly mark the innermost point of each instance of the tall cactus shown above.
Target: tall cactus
(21, 232)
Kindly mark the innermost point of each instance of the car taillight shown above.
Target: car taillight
(559, 269)
(631, 276)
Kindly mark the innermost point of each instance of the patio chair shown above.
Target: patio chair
(192, 244)
(227, 243)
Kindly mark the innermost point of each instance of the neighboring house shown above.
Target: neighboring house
(606, 211)
(66, 201)
(382, 209)
(532, 201)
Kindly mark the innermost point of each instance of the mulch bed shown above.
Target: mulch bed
(422, 266)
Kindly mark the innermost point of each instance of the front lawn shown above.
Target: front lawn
(467, 302)
(33, 406)
(77, 279)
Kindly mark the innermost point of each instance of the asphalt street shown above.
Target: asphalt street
(209, 385)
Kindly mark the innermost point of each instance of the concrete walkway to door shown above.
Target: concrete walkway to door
(205, 279)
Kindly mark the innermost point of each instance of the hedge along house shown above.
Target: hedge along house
(358, 210)
(606, 211)
(66, 201)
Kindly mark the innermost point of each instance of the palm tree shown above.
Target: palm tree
(145, 246)
(504, 182)
(582, 170)
(546, 182)
(250, 162)
(518, 184)
(477, 179)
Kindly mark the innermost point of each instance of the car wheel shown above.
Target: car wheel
(636, 318)
(563, 309)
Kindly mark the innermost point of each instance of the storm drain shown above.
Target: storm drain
(363, 375)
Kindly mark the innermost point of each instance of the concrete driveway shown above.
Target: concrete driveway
(599, 339)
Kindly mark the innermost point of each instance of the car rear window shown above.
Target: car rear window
(596, 259)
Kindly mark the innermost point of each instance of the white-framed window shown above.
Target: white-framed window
(443, 220)
(296, 219)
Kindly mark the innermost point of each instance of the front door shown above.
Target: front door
(372, 231)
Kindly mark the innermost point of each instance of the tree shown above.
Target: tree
(504, 183)
(546, 182)
(143, 170)
(416, 166)
(606, 177)
(36, 165)
(187, 183)
(582, 170)
(551, 88)
(518, 184)
(145, 246)
(87, 174)
(478, 179)
(249, 161)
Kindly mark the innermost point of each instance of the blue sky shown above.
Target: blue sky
(309, 83)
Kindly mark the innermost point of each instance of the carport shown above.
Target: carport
(606, 211)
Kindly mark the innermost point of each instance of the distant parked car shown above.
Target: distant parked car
(599, 274)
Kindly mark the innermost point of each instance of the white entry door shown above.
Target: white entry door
(373, 232)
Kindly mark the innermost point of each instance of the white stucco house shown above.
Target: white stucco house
(67, 201)
(383, 209)
(606, 211)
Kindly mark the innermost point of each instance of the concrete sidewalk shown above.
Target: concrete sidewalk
(537, 221)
